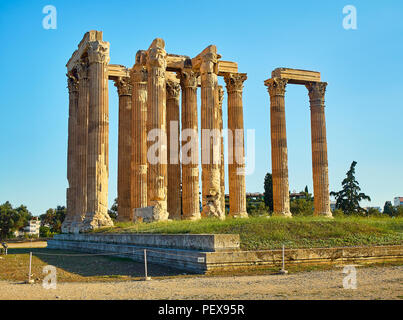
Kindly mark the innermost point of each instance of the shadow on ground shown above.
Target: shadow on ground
(77, 266)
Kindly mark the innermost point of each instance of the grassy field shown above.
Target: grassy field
(271, 233)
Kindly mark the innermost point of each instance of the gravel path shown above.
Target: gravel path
(372, 283)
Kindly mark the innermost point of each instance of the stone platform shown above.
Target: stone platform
(205, 253)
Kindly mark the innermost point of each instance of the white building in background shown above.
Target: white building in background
(398, 201)
(33, 227)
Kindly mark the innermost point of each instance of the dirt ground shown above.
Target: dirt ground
(33, 244)
(372, 283)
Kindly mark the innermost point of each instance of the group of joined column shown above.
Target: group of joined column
(87, 172)
(161, 170)
(279, 152)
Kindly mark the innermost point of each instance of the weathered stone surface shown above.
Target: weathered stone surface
(173, 132)
(125, 149)
(211, 180)
(190, 139)
(319, 149)
(222, 165)
(156, 110)
(139, 137)
(279, 152)
(296, 76)
(236, 147)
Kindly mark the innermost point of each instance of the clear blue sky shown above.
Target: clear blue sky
(364, 68)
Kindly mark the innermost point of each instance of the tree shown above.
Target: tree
(388, 208)
(303, 207)
(54, 218)
(348, 199)
(12, 219)
(268, 191)
(113, 211)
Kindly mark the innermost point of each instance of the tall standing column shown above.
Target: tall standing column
(190, 145)
(98, 133)
(82, 145)
(236, 147)
(156, 110)
(72, 84)
(319, 149)
(125, 209)
(211, 180)
(279, 152)
(174, 167)
(139, 137)
(222, 165)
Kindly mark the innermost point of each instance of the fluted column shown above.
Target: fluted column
(174, 167)
(156, 110)
(222, 165)
(82, 145)
(319, 149)
(139, 137)
(211, 180)
(125, 209)
(236, 148)
(98, 133)
(72, 84)
(279, 157)
(190, 146)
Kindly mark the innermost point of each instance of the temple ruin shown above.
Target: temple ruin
(158, 92)
(279, 153)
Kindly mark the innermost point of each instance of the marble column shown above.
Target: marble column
(125, 133)
(190, 145)
(319, 149)
(82, 145)
(279, 157)
(72, 84)
(98, 133)
(157, 148)
(211, 180)
(174, 167)
(139, 137)
(222, 165)
(236, 147)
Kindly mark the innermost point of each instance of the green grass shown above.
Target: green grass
(259, 233)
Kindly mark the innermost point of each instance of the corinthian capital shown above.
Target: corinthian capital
(82, 69)
(173, 89)
(72, 83)
(124, 86)
(98, 52)
(276, 86)
(234, 81)
(188, 78)
(138, 73)
(316, 90)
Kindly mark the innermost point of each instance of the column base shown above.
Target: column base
(94, 221)
(326, 214)
(239, 215)
(193, 217)
(286, 214)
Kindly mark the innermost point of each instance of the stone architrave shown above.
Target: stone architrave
(98, 133)
(236, 148)
(210, 125)
(281, 197)
(125, 209)
(190, 145)
(222, 165)
(174, 167)
(319, 149)
(72, 84)
(139, 137)
(156, 111)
